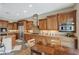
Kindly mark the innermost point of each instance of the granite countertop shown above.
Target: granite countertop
(57, 50)
(22, 52)
(54, 36)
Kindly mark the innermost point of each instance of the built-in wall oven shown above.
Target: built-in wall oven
(3, 31)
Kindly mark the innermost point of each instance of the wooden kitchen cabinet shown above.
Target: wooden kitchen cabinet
(17, 36)
(52, 23)
(10, 26)
(24, 24)
(29, 25)
(69, 42)
(13, 40)
(13, 37)
(27, 37)
(66, 17)
(61, 18)
(71, 16)
(3, 23)
(15, 27)
(43, 24)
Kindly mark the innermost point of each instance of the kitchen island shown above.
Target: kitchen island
(70, 42)
(56, 50)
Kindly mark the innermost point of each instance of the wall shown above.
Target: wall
(56, 12)
(77, 22)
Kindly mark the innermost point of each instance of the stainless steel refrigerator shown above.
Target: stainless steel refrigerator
(21, 32)
(21, 36)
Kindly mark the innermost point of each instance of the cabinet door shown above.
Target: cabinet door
(24, 24)
(71, 16)
(0, 23)
(10, 26)
(15, 26)
(66, 17)
(52, 22)
(5, 24)
(43, 24)
(62, 18)
(29, 25)
(13, 40)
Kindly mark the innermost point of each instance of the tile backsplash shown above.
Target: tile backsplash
(51, 33)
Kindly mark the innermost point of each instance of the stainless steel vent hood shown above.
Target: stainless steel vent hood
(35, 27)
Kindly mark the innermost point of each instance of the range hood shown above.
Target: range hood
(35, 27)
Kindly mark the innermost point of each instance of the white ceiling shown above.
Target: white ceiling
(16, 11)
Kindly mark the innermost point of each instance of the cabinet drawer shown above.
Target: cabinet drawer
(66, 39)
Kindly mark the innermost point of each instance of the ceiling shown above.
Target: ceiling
(16, 11)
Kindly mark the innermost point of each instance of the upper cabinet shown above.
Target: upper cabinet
(61, 18)
(3, 23)
(52, 23)
(29, 25)
(15, 27)
(22, 23)
(43, 24)
(67, 17)
(10, 26)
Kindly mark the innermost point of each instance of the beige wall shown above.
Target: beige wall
(77, 21)
(56, 12)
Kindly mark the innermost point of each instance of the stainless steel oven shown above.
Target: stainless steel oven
(3, 31)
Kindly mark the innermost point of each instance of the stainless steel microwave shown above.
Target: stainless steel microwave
(67, 28)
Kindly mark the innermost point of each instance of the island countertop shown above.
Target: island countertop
(59, 50)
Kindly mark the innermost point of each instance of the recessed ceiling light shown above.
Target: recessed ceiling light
(30, 5)
(25, 11)
(7, 12)
(17, 14)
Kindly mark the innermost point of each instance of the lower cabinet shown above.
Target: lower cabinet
(63, 41)
(13, 40)
(69, 42)
(13, 37)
